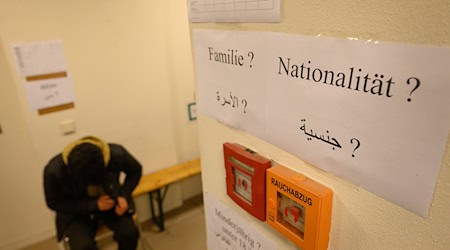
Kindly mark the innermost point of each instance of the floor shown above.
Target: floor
(185, 229)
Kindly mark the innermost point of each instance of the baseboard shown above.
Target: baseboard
(27, 240)
(175, 200)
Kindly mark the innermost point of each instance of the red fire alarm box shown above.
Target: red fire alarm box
(246, 178)
(299, 208)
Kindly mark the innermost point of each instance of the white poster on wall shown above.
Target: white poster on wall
(49, 92)
(44, 69)
(228, 230)
(232, 102)
(374, 113)
(39, 58)
(234, 11)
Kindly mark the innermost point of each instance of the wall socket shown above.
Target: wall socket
(67, 127)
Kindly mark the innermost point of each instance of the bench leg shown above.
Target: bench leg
(159, 199)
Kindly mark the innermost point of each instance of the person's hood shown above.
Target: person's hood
(88, 139)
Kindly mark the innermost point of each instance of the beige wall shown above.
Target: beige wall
(360, 220)
(131, 67)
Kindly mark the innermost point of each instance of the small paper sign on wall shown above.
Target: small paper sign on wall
(234, 11)
(43, 67)
(228, 230)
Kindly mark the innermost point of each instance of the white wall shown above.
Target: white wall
(129, 88)
(360, 220)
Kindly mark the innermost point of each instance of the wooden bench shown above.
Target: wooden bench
(153, 183)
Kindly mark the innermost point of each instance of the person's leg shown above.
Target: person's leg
(125, 231)
(81, 233)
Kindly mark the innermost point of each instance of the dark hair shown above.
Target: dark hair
(86, 163)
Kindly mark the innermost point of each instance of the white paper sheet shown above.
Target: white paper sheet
(231, 60)
(386, 135)
(234, 11)
(39, 58)
(49, 93)
(229, 231)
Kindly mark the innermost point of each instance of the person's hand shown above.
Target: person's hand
(121, 206)
(105, 203)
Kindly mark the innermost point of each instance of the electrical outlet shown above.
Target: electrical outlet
(67, 127)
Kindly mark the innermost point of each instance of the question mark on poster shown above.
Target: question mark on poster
(244, 101)
(357, 145)
(250, 54)
(415, 87)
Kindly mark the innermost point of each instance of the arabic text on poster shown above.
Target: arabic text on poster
(373, 113)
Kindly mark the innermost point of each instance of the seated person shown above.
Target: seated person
(82, 185)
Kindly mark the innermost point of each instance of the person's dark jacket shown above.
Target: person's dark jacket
(62, 191)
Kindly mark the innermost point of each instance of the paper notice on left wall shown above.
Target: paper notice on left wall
(46, 80)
